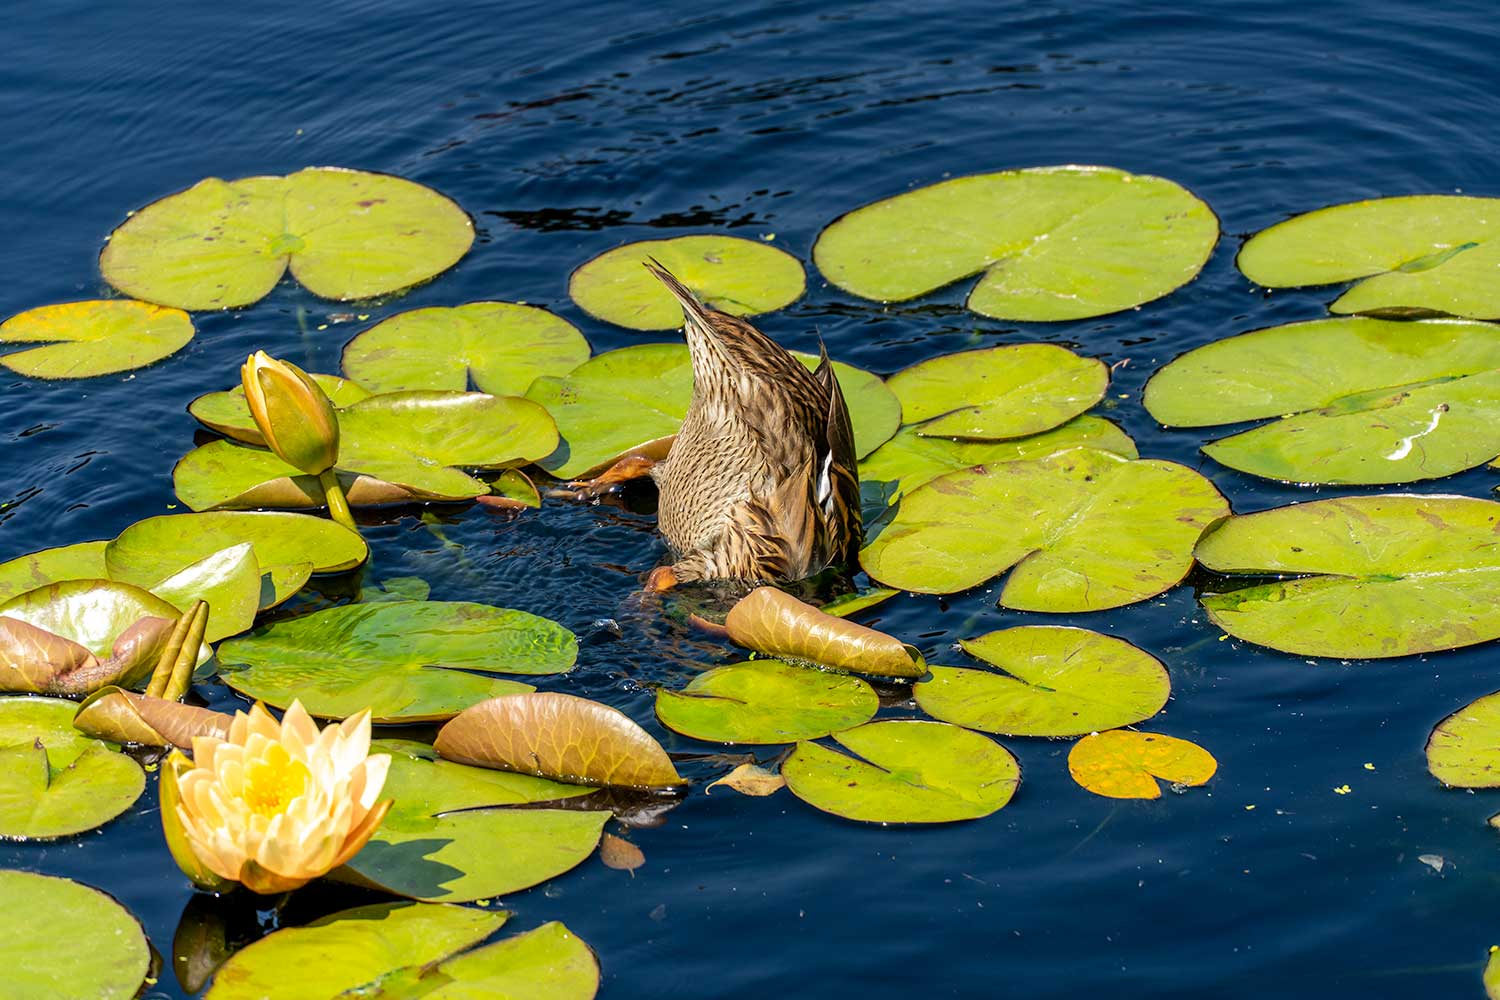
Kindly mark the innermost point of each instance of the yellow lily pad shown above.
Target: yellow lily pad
(85, 339)
(1120, 764)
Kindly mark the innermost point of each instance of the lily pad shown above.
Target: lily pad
(766, 701)
(1084, 530)
(775, 623)
(228, 413)
(1416, 254)
(495, 347)
(908, 771)
(558, 736)
(1121, 764)
(1053, 243)
(852, 603)
(395, 447)
(733, 275)
(100, 337)
(1361, 400)
(910, 459)
(448, 836)
(1057, 682)
(53, 780)
(83, 561)
(623, 399)
(62, 939)
(126, 717)
(998, 392)
(74, 637)
(1375, 576)
(1464, 749)
(288, 547)
(345, 234)
(406, 661)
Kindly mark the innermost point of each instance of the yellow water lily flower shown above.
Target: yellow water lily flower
(276, 804)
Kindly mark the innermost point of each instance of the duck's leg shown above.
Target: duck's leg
(633, 465)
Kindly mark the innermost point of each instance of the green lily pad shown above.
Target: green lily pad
(998, 392)
(1057, 682)
(62, 939)
(623, 399)
(406, 661)
(54, 781)
(84, 561)
(851, 604)
(1376, 576)
(92, 613)
(1053, 243)
(495, 347)
(101, 337)
(1464, 749)
(908, 771)
(1416, 254)
(345, 234)
(766, 701)
(1361, 400)
(288, 547)
(228, 413)
(1084, 530)
(449, 836)
(733, 275)
(910, 459)
(395, 447)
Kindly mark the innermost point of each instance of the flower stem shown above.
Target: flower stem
(338, 506)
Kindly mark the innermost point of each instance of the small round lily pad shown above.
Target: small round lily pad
(737, 276)
(59, 938)
(1123, 764)
(344, 234)
(1464, 749)
(1058, 682)
(766, 701)
(907, 771)
(100, 337)
(1051, 243)
(54, 781)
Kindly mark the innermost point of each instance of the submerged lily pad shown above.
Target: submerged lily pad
(1083, 529)
(1464, 749)
(1121, 764)
(1057, 682)
(449, 836)
(909, 772)
(53, 780)
(495, 347)
(100, 337)
(733, 275)
(345, 234)
(62, 939)
(228, 413)
(406, 661)
(1361, 400)
(394, 447)
(623, 399)
(766, 701)
(998, 392)
(1421, 253)
(1376, 576)
(1053, 243)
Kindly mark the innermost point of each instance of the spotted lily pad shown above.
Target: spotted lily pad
(998, 392)
(1415, 254)
(1084, 530)
(907, 771)
(1121, 764)
(406, 661)
(345, 234)
(627, 398)
(766, 701)
(449, 837)
(1361, 400)
(228, 413)
(1052, 243)
(1464, 749)
(62, 939)
(53, 780)
(737, 276)
(100, 337)
(1057, 682)
(495, 347)
(1372, 576)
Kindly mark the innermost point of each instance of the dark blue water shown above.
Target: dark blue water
(568, 129)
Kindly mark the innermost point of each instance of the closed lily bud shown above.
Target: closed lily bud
(292, 413)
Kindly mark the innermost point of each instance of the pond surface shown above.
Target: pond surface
(567, 130)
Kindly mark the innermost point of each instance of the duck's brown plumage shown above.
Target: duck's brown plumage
(761, 483)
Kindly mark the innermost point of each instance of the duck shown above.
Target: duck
(761, 483)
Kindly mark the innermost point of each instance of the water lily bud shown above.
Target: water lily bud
(292, 412)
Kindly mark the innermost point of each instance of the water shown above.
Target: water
(567, 130)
